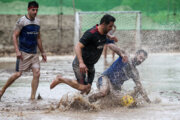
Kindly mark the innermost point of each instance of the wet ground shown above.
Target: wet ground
(159, 73)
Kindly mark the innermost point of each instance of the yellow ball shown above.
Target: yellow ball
(127, 100)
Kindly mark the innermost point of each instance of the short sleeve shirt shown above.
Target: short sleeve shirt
(93, 43)
(29, 31)
(119, 72)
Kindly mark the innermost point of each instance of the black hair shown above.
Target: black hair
(33, 4)
(107, 19)
(142, 51)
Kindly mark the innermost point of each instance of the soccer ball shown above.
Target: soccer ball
(127, 100)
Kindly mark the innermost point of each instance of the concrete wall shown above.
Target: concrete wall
(151, 40)
(58, 31)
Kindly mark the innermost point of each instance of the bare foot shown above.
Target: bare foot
(56, 81)
(87, 89)
(32, 98)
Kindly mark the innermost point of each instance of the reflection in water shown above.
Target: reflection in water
(159, 74)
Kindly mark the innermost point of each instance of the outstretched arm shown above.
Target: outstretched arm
(41, 48)
(78, 51)
(118, 51)
(15, 41)
(139, 89)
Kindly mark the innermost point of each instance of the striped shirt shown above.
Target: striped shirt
(28, 35)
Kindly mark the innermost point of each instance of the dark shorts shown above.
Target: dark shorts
(108, 41)
(82, 77)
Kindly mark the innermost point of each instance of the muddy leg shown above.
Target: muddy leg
(9, 82)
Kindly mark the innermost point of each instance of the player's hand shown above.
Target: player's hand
(44, 58)
(114, 38)
(83, 68)
(124, 58)
(87, 89)
(19, 55)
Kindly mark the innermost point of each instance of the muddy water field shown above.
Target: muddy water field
(160, 77)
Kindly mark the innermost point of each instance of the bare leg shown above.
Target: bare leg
(9, 82)
(35, 82)
(56, 81)
(113, 54)
(103, 91)
(72, 83)
(105, 51)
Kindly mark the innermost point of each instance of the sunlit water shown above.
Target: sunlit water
(160, 76)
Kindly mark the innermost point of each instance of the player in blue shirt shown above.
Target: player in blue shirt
(123, 69)
(28, 31)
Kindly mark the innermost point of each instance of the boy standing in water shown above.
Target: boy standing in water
(28, 30)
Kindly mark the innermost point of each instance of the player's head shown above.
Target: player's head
(107, 21)
(33, 8)
(140, 56)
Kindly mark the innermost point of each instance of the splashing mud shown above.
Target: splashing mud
(76, 102)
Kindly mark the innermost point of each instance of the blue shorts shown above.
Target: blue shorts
(108, 41)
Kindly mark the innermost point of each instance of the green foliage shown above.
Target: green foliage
(97, 5)
(146, 6)
(152, 6)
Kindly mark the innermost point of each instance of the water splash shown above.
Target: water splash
(76, 102)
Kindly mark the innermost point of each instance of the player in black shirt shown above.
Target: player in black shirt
(88, 51)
